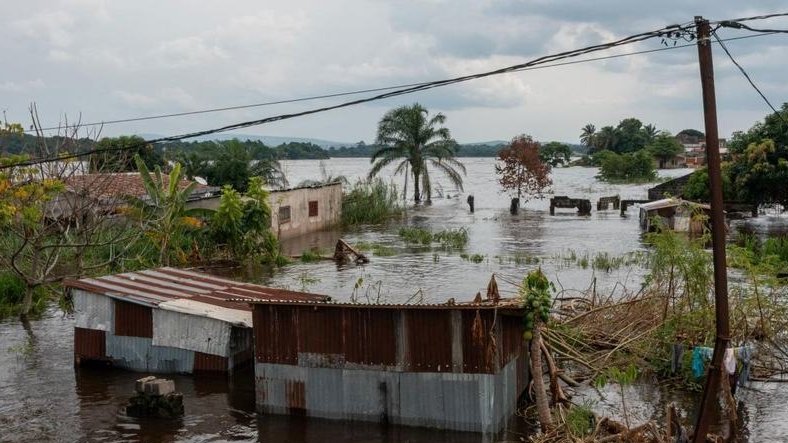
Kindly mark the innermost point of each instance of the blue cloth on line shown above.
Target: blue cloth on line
(699, 356)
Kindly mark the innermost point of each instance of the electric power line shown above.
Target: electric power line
(540, 62)
(747, 76)
(355, 92)
(754, 17)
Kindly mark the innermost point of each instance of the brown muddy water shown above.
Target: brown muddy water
(44, 398)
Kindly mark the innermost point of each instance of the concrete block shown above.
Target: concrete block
(159, 387)
(139, 386)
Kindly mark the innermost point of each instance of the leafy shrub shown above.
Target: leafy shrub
(370, 202)
(631, 167)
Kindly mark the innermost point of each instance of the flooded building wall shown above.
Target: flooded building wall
(297, 211)
(460, 369)
(300, 211)
(147, 339)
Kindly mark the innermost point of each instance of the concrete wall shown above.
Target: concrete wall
(329, 210)
(446, 400)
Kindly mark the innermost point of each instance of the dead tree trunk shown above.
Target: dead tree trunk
(540, 395)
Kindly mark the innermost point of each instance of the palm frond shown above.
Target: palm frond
(449, 171)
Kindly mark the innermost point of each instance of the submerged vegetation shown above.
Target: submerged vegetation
(370, 202)
(447, 238)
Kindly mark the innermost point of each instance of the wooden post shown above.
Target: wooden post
(714, 375)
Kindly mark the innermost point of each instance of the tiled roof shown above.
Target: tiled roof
(124, 184)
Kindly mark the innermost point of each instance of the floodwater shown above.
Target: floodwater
(44, 398)
(436, 275)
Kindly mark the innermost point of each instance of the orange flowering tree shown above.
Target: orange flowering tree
(521, 172)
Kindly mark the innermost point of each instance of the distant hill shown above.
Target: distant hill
(269, 140)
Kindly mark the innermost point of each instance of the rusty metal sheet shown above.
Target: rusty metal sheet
(210, 363)
(478, 350)
(133, 320)
(89, 344)
(370, 336)
(276, 334)
(512, 334)
(428, 340)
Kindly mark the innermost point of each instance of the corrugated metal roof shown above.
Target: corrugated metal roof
(503, 304)
(669, 202)
(166, 287)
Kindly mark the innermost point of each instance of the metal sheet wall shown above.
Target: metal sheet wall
(415, 340)
(477, 344)
(276, 334)
(468, 402)
(429, 340)
(92, 311)
(139, 354)
(210, 363)
(89, 344)
(132, 320)
(192, 332)
(370, 336)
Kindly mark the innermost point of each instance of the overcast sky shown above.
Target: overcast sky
(106, 60)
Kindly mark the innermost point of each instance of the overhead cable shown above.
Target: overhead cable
(747, 76)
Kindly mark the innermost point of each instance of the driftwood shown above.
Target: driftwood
(344, 252)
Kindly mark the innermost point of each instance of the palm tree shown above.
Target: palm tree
(408, 134)
(650, 131)
(605, 138)
(587, 135)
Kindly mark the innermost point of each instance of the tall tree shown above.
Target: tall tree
(587, 136)
(650, 131)
(521, 172)
(235, 165)
(759, 160)
(606, 138)
(665, 147)
(555, 153)
(408, 135)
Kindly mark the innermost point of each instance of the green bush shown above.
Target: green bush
(370, 202)
(627, 168)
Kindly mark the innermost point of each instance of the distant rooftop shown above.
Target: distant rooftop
(127, 184)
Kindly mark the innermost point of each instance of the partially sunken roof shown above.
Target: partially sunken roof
(189, 292)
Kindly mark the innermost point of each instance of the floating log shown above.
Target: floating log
(345, 252)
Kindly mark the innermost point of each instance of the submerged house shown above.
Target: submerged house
(299, 211)
(676, 214)
(450, 366)
(167, 320)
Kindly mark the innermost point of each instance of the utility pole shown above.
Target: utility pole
(714, 376)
